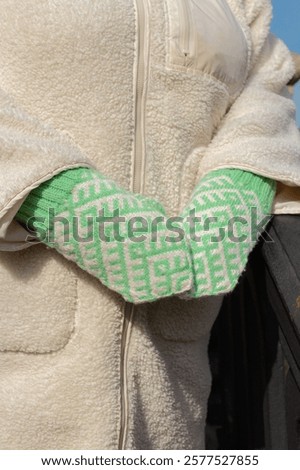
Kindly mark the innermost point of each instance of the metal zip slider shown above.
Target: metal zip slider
(137, 186)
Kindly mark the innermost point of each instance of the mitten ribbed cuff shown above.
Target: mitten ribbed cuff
(49, 195)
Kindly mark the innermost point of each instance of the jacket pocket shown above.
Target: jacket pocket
(38, 294)
(176, 319)
(205, 37)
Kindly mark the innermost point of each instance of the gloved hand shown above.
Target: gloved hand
(230, 208)
(142, 265)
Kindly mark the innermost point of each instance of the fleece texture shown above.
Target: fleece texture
(76, 362)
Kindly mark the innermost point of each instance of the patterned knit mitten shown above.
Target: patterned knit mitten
(132, 256)
(233, 208)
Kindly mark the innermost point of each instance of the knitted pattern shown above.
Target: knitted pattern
(219, 227)
(233, 209)
(134, 257)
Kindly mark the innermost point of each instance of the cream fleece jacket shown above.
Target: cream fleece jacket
(154, 94)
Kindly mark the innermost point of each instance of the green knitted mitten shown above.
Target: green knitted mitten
(233, 209)
(134, 255)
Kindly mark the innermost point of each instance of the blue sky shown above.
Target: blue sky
(285, 24)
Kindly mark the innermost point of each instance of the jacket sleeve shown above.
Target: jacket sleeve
(259, 132)
(31, 152)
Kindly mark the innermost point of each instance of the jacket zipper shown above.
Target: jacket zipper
(142, 59)
(128, 312)
(137, 185)
(186, 28)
